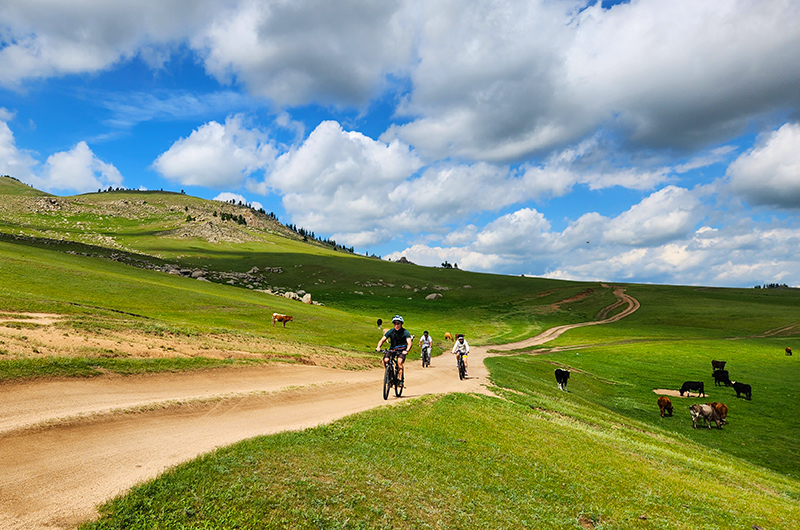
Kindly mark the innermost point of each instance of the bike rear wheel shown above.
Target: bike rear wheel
(426, 357)
(388, 379)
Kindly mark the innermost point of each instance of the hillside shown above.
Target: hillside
(138, 287)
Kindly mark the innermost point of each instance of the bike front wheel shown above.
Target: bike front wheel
(462, 372)
(398, 388)
(388, 379)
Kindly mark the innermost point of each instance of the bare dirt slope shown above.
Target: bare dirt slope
(68, 445)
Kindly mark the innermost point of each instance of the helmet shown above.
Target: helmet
(397, 318)
(425, 332)
(460, 336)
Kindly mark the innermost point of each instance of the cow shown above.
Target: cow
(277, 317)
(721, 409)
(697, 386)
(562, 376)
(448, 336)
(788, 350)
(665, 404)
(721, 378)
(742, 388)
(717, 365)
(706, 413)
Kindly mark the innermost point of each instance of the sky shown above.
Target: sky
(651, 141)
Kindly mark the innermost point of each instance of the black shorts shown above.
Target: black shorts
(401, 356)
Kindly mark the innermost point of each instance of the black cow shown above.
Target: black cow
(696, 386)
(562, 376)
(721, 377)
(717, 365)
(742, 388)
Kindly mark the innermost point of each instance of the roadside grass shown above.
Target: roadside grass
(622, 377)
(464, 461)
(14, 369)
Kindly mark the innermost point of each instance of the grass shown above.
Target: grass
(596, 456)
(463, 461)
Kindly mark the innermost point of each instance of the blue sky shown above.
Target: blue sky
(644, 141)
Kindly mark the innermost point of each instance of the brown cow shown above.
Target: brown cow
(721, 410)
(664, 403)
(717, 365)
(706, 413)
(277, 317)
(788, 350)
(448, 336)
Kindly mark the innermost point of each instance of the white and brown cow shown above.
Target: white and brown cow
(706, 413)
(277, 317)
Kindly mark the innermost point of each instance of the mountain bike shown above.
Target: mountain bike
(426, 356)
(462, 370)
(390, 373)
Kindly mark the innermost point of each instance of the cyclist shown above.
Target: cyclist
(397, 336)
(426, 342)
(461, 347)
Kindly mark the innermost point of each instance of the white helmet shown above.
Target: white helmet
(397, 318)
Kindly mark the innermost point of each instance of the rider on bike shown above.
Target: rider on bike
(461, 347)
(398, 336)
(426, 342)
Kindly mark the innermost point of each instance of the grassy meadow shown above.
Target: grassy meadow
(596, 456)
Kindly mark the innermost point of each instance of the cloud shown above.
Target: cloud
(769, 173)
(342, 182)
(308, 50)
(77, 169)
(228, 197)
(217, 155)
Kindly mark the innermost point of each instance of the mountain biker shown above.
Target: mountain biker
(397, 336)
(461, 347)
(426, 342)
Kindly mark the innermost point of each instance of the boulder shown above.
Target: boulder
(307, 298)
(433, 296)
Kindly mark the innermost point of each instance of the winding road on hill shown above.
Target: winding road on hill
(68, 445)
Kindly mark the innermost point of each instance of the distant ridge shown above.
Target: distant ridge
(12, 186)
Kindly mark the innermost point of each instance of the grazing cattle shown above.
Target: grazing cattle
(721, 409)
(788, 351)
(721, 378)
(718, 365)
(696, 386)
(562, 376)
(742, 388)
(277, 317)
(665, 404)
(448, 336)
(706, 413)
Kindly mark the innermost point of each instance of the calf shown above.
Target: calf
(277, 317)
(562, 376)
(742, 388)
(788, 351)
(665, 404)
(696, 386)
(717, 365)
(706, 413)
(721, 409)
(721, 378)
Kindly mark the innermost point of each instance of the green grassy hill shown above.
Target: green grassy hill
(597, 456)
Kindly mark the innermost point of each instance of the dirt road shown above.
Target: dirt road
(68, 445)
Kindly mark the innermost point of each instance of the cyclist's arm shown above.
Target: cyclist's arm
(380, 343)
(409, 344)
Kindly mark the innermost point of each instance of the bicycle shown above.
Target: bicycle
(462, 370)
(390, 373)
(426, 356)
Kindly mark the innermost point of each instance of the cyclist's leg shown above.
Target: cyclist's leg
(400, 362)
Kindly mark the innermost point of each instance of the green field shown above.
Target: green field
(597, 456)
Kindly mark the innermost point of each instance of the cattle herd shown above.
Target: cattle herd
(708, 412)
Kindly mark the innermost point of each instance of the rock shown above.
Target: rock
(254, 270)
(307, 298)
(197, 273)
(433, 296)
(467, 287)
(301, 292)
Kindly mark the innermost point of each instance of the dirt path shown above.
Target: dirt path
(68, 445)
